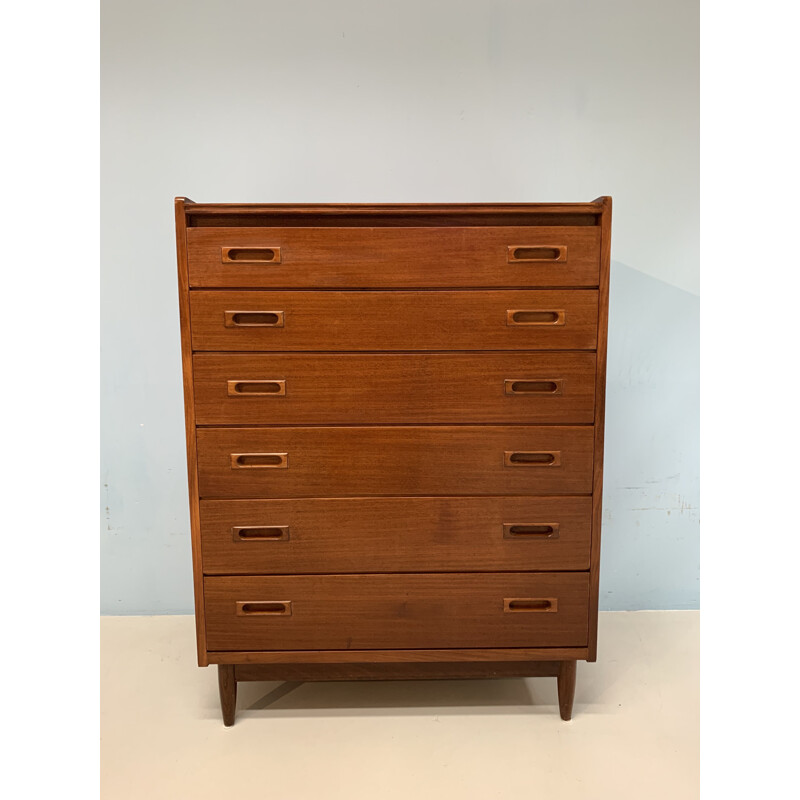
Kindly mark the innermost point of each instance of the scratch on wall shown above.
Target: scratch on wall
(674, 502)
(650, 499)
(108, 510)
(109, 526)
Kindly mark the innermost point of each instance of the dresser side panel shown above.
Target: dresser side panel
(191, 438)
(599, 422)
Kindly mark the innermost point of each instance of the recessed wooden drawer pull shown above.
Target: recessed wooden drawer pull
(240, 388)
(261, 533)
(263, 608)
(517, 458)
(557, 253)
(251, 255)
(530, 604)
(535, 317)
(546, 387)
(532, 532)
(259, 460)
(254, 319)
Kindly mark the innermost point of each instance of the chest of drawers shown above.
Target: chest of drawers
(394, 427)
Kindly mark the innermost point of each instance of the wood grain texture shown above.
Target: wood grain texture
(406, 534)
(394, 320)
(385, 388)
(394, 460)
(382, 257)
(396, 611)
(181, 203)
(599, 421)
(432, 670)
(453, 655)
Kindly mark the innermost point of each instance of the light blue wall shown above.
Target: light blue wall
(650, 544)
(249, 100)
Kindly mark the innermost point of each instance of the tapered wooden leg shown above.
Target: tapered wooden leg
(227, 693)
(566, 687)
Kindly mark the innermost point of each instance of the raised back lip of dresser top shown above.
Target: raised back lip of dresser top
(392, 214)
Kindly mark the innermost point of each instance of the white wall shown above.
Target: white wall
(404, 101)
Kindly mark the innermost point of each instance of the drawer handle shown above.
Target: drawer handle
(263, 608)
(551, 253)
(261, 533)
(251, 255)
(265, 388)
(530, 531)
(254, 319)
(530, 604)
(546, 387)
(259, 460)
(527, 458)
(534, 317)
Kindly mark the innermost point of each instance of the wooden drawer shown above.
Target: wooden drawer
(371, 388)
(389, 534)
(402, 460)
(393, 257)
(362, 612)
(398, 320)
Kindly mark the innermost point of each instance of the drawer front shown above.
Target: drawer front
(376, 320)
(362, 612)
(394, 257)
(389, 534)
(341, 462)
(385, 388)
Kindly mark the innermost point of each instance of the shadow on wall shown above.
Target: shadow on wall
(650, 549)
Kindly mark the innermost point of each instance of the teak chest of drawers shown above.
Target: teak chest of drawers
(394, 427)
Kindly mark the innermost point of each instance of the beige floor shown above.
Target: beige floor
(635, 733)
